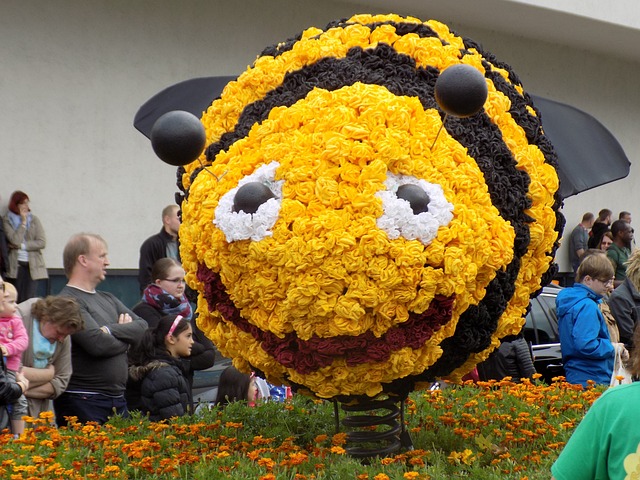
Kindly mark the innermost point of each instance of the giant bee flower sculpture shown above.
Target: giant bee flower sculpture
(346, 235)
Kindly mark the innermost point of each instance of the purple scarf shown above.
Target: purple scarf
(167, 303)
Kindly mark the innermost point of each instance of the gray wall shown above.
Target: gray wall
(74, 72)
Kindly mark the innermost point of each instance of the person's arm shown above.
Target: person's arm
(20, 340)
(43, 391)
(37, 240)
(15, 236)
(95, 341)
(586, 331)
(129, 332)
(150, 314)
(9, 390)
(622, 310)
(203, 352)
(38, 376)
(62, 363)
(523, 358)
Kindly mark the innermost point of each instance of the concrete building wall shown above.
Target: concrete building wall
(73, 74)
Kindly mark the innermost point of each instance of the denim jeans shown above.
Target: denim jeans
(88, 407)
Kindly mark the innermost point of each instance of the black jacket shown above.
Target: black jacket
(203, 352)
(4, 251)
(152, 249)
(9, 392)
(511, 359)
(159, 388)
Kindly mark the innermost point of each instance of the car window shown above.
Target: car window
(541, 322)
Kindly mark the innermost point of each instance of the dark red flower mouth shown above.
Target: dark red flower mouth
(307, 356)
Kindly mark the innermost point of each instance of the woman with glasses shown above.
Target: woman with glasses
(166, 296)
(587, 350)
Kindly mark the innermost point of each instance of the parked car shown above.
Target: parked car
(541, 330)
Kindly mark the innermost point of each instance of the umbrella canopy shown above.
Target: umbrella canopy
(588, 154)
(193, 96)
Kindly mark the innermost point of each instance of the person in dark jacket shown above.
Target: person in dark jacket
(157, 383)
(4, 251)
(511, 359)
(162, 244)
(624, 302)
(165, 296)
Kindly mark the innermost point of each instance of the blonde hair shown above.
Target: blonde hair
(10, 288)
(633, 268)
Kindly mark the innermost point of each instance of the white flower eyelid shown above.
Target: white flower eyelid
(398, 218)
(255, 226)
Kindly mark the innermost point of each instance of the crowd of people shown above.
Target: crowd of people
(83, 353)
(598, 330)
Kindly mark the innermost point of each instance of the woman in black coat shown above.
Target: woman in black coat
(166, 296)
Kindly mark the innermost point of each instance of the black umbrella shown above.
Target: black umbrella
(588, 154)
(193, 96)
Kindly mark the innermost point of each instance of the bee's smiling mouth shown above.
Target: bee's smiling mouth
(308, 356)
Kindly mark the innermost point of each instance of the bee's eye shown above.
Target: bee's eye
(250, 210)
(416, 196)
(414, 209)
(250, 196)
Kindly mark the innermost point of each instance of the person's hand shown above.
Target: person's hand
(24, 210)
(624, 353)
(22, 381)
(3, 349)
(124, 318)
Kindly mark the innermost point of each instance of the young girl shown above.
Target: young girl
(157, 383)
(236, 386)
(13, 342)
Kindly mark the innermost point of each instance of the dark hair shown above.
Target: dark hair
(603, 214)
(233, 386)
(16, 199)
(153, 340)
(617, 227)
(63, 311)
(623, 214)
(587, 217)
(161, 267)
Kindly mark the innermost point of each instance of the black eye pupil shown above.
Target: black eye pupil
(416, 196)
(250, 196)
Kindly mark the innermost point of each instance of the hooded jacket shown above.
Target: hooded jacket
(587, 351)
(160, 387)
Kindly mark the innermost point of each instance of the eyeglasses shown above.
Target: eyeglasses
(606, 283)
(2, 286)
(174, 280)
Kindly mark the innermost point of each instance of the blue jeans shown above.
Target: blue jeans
(88, 407)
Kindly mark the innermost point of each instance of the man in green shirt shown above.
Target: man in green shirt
(620, 249)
